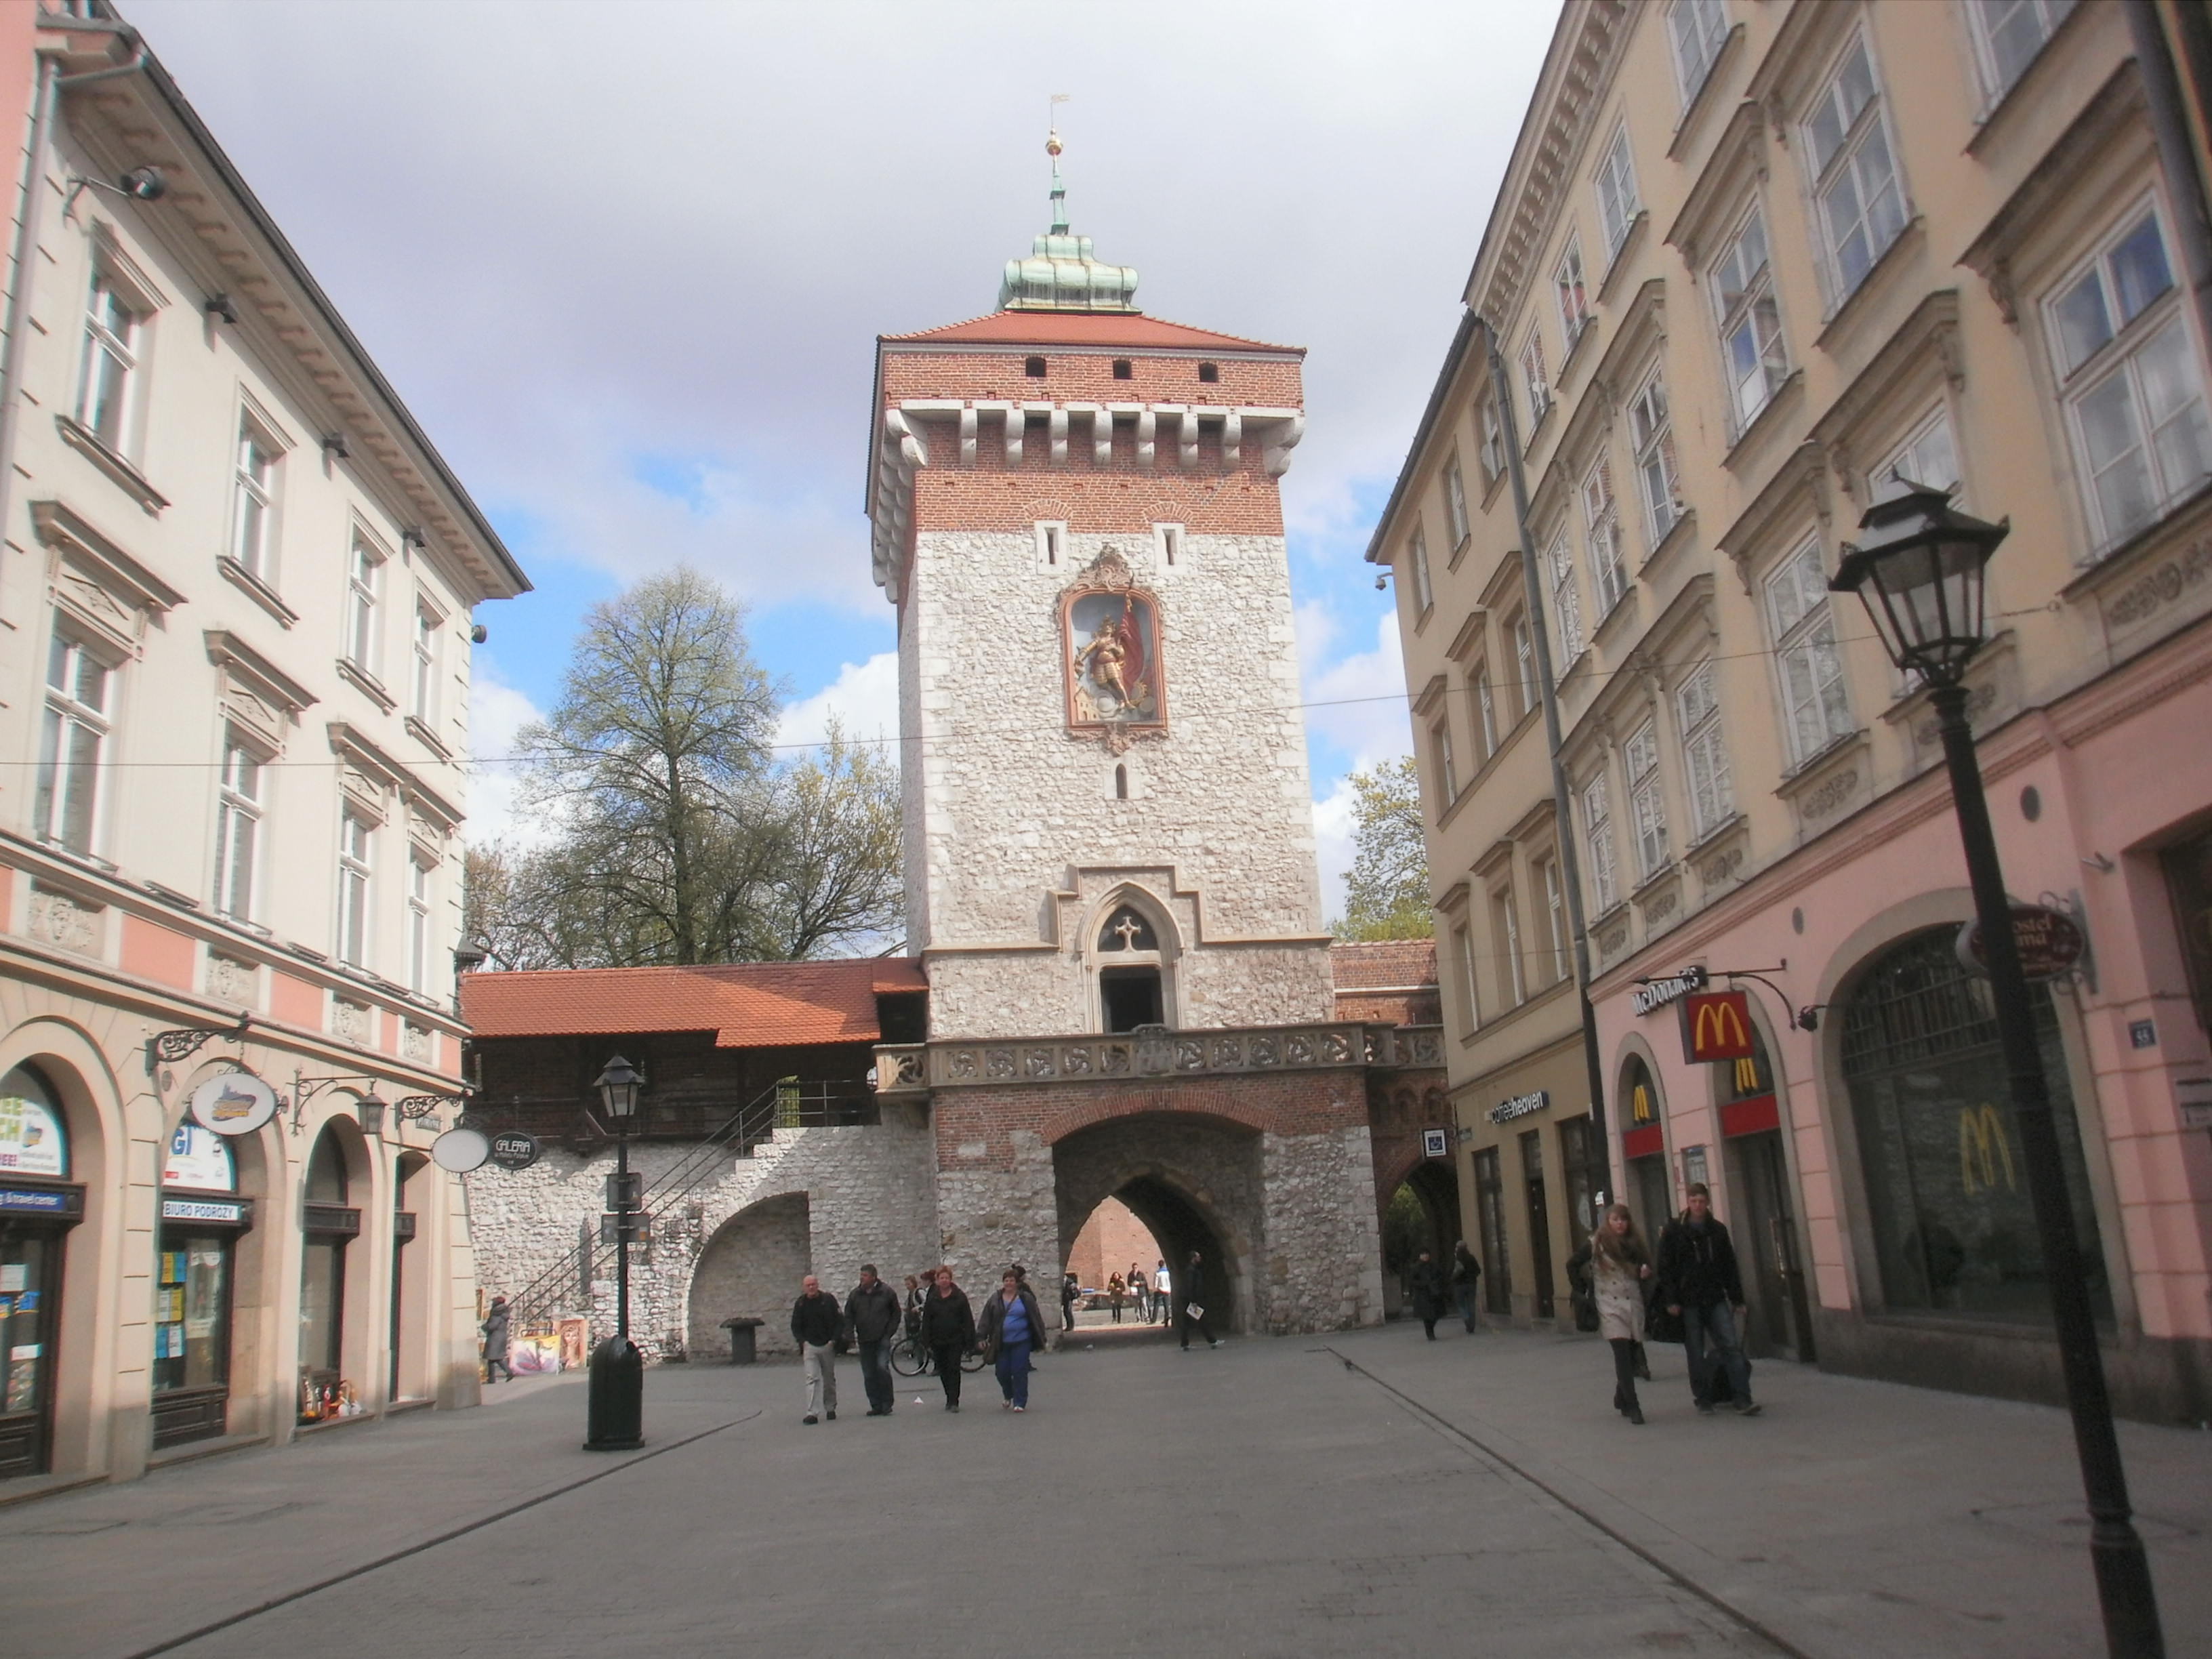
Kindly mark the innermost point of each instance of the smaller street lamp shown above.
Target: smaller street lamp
(370, 1110)
(1920, 570)
(615, 1410)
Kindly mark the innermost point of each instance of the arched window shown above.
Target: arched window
(1644, 1147)
(33, 1139)
(1133, 988)
(1127, 929)
(1954, 1233)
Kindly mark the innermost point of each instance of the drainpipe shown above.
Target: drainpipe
(1599, 1153)
(2176, 158)
(52, 83)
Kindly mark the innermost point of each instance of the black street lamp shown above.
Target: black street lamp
(1919, 568)
(615, 1414)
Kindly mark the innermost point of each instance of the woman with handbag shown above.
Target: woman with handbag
(1010, 1326)
(1619, 1263)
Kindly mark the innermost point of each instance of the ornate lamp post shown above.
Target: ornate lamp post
(615, 1414)
(1919, 568)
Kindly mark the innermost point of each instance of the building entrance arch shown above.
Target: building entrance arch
(1194, 1181)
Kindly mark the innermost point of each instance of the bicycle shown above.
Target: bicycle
(910, 1359)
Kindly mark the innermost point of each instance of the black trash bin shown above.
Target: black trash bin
(742, 1339)
(615, 1406)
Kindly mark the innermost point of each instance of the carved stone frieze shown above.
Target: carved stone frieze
(63, 920)
(1820, 802)
(414, 1042)
(1723, 867)
(353, 1021)
(2161, 587)
(1154, 1052)
(229, 980)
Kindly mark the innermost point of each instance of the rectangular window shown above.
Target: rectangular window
(1597, 820)
(1494, 442)
(1704, 756)
(1417, 555)
(1862, 199)
(1535, 378)
(1463, 946)
(1750, 322)
(1505, 928)
(1928, 457)
(1566, 601)
(1524, 666)
(1652, 430)
(2128, 372)
(73, 744)
(1647, 803)
(1455, 501)
(110, 363)
(1440, 752)
(253, 490)
(1696, 28)
(1484, 708)
(237, 831)
(1602, 521)
(1555, 917)
(1574, 300)
(1617, 206)
(423, 683)
(1804, 630)
(418, 924)
(356, 842)
(2009, 33)
(364, 587)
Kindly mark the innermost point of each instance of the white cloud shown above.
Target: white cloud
(1332, 817)
(863, 699)
(1357, 703)
(497, 712)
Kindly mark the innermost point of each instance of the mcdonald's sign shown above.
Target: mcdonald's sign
(1984, 1150)
(1716, 1025)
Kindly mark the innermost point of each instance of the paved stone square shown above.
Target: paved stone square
(1363, 1493)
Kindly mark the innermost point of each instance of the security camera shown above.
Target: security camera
(146, 184)
(1382, 582)
(479, 634)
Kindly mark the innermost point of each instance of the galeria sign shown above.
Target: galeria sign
(2048, 941)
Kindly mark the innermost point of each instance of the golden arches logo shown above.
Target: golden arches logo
(1983, 1148)
(1746, 1076)
(1640, 1105)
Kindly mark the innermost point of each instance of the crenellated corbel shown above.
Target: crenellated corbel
(1056, 426)
(967, 437)
(1147, 424)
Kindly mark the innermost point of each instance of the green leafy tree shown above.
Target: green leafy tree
(1387, 890)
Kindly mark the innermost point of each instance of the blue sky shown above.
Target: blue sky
(626, 265)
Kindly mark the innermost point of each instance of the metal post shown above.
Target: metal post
(2125, 1590)
(1599, 1171)
(622, 1228)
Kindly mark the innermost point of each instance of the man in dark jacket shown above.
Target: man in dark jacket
(872, 1314)
(1699, 1279)
(948, 1331)
(496, 1341)
(1190, 1285)
(1467, 1274)
(1427, 1282)
(816, 1323)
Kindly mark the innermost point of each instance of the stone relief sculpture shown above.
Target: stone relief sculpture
(1111, 642)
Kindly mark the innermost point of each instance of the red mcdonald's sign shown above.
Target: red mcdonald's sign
(1716, 1025)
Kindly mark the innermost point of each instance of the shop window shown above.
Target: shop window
(1490, 1216)
(1540, 1219)
(1643, 1146)
(34, 1143)
(322, 1279)
(193, 1288)
(1946, 1189)
(2189, 880)
(1575, 1172)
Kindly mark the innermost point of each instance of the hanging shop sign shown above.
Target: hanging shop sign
(61, 1202)
(461, 1151)
(1658, 993)
(514, 1151)
(1520, 1106)
(234, 1104)
(2049, 941)
(1436, 1143)
(1716, 1025)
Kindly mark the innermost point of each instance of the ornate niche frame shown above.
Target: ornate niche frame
(1111, 655)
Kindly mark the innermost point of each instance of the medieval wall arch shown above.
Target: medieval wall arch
(750, 1268)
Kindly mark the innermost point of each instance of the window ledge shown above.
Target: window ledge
(171, 895)
(1912, 234)
(1421, 622)
(420, 731)
(1803, 771)
(1587, 332)
(255, 589)
(1460, 551)
(1701, 99)
(1616, 613)
(1995, 114)
(2101, 559)
(80, 438)
(1712, 838)
(367, 684)
(1665, 871)
(1678, 535)
(1620, 261)
(1787, 392)
(1536, 426)
(1495, 482)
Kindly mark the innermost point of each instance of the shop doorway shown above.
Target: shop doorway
(1780, 1325)
(1540, 1219)
(1490, 1216)
(195, 1261)
(403, 1296)
(329, 1225)
(39, 1204)
(1648, 1192)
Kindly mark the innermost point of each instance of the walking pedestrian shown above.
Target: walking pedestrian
(1619, 1263)
(872, 1314)
(1114, 1291)
(1012, 1326)
(1698, 1276)
(1070, 1287)
(496, 1341)
(1142, 1291)
(1427, 1282)
(1193, 1280)
(1162, 1294)
(948, 1331)
(817, 1321)
(1465, 1273)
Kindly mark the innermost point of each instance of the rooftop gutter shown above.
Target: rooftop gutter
(1464, 339)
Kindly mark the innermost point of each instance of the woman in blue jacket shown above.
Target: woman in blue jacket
(1011, 1326)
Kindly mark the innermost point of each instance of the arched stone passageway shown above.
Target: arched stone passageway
(1422, 1214)
(1195, 1183)
(751, 1269)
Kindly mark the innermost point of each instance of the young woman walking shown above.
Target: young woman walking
(1619, 1264)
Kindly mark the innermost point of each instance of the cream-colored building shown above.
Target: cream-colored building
(235, 600)
(1751, 264)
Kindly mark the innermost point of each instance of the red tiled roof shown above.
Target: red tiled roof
(1384, 964)
(1085, 328)
(750, 1005)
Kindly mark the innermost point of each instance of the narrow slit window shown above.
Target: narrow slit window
(1122, 782)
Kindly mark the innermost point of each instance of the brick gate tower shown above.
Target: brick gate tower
(1110, 873)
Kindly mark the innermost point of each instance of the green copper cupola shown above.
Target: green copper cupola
(1060, 273)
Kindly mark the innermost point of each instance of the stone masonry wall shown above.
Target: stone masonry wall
(1324, 1250)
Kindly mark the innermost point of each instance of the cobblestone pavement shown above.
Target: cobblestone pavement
(1363, 1493)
